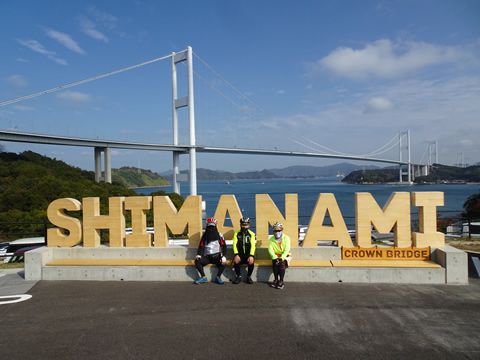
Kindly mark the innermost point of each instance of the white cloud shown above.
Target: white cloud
(57, 153)
(88, 27)
(35, 46)
(109, 21)
(74, 96)
(445, 110)
(18, 81)
(378, 104)
(466, 143)
(384, 59)
(101, 19)
(65, 40)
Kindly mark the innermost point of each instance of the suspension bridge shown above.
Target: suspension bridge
(407, 169)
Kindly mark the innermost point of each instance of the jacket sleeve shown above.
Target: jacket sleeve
(234, 247)
(252, 243)
(286, 246)
(200, 247)
(223, 244)
(271, 250)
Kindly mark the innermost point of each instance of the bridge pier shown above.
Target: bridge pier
(422, 170)
(98, 164)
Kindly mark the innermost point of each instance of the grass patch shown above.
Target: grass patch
(12, 266)
(472, 244)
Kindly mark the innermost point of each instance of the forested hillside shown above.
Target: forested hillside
(451, 173)
(134, 177)
(212, 175)
(372, 176)
(438, 173)
(29, 182)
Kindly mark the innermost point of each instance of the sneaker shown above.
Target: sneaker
(249, 280)
(274, 284)
(201, 280)
(237, 280)
(218, 281)
(280, 285)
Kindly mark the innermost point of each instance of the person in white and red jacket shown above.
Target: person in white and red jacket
(211, 250)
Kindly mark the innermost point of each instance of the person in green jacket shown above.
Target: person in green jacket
(244, 250)
(279, 250)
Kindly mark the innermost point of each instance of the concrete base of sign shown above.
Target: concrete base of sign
(454, 261)
(108, 264)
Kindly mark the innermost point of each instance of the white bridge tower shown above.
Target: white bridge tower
(178, 103)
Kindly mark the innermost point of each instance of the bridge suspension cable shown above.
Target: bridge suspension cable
(259, 108)
(381, 149)
(240, 107)
(63, 87)
(423, 155)
(376, 152)
(315, 147)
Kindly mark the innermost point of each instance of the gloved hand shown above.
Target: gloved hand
(224, 260)
(198, 257)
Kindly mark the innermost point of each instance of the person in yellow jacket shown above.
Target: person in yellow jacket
(244, 250)
(279, 250)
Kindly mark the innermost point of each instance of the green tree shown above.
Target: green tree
(472, 207)
(29, 182)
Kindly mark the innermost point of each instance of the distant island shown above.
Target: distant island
(365, 175)
(290, 172)
(438, 174)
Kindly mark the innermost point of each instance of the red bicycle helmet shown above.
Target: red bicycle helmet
(211, 222)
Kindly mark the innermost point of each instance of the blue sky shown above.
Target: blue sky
(339, 75)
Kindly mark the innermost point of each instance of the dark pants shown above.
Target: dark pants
(279, 269)
(243, 260)
(210, 259)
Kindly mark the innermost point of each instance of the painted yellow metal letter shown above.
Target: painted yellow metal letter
(427, 217)
(57, 237)
(395, 214)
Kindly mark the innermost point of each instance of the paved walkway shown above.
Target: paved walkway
(179, 320)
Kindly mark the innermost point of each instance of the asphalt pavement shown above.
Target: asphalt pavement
(180, 320)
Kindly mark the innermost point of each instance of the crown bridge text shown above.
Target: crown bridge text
(394, 216)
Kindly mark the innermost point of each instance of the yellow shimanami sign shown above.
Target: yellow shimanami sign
(395, 215)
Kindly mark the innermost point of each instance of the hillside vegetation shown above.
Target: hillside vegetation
(212, 175)
(451, 173)
(438, 173)
(29, 182)
(296, 171)
(133, 177)
(372, 176)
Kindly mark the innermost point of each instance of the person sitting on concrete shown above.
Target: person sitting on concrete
(279, 249)
(244, 250)
(211, 250)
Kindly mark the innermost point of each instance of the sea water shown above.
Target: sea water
(308, 190)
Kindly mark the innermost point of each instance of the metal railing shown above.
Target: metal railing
(12, 230)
